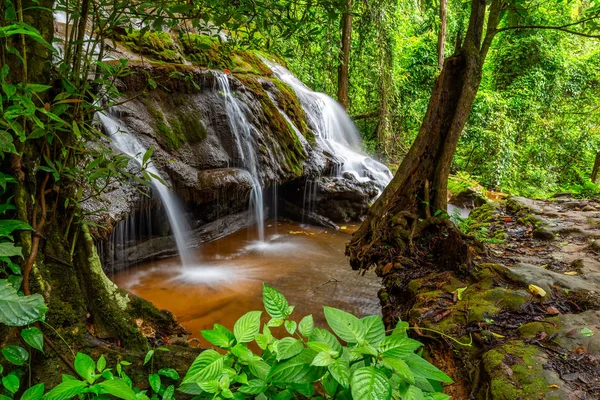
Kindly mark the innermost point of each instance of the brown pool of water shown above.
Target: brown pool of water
(307, 264)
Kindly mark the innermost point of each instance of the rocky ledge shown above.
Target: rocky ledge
(524, 323)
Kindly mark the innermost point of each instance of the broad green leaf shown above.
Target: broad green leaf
(340, 370)
(34, 393)
(288, 347)
(247, 327)
(11, 383)
(34, 338)
(190, 388)
(37, 87)
(8, 226)
(219, 336)
(254, 386)
(370, 384)
(67, 390)
(345, 325)
(400, 367)
(18, 311)
(154, 381)
(324, 336)
(322, 359)
(85, 367)
(275, 302)
(420, 366)
(375, 329)
(396, 346)
(400, 329)
(15, 354)
(297, 369)
(169, 373)
(118, 388)
(8, 249)
(207, 366)
(306, 325)
(285, 395)
(412, 393)
(259, 368)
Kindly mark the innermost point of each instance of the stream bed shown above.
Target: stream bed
(307, 264)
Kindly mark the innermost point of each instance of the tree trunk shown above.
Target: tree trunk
(419, 188)
(343, 74)
(442, 32)
(596, 168)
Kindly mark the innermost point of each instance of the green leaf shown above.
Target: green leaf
(345, 325)
(412, 393)
(34, 393)
(247, 327)
(306, 326)
(154, 380)
(459, 292)
(275, 303)
(219, 336)
(8, 249)
(421, 367)
(400, 329)
(370, 384)
(259, 368)
(322, 359)
(147, 155)
(67, 390)
(34, 338)
(18, 310)
(7, 226)
(190, 388)
(395, 346)
(254, 386)
(375, 329)
(169, 373)
(34, 87)
(297, 369)
(11, 383)
(400, 367)
(324, 336)
(148, 356)
(85, 366)
(15, 354)
(101, 364)
(340, 370)
(288, 348)
(207, 366)
(290, 326)
(118, 388)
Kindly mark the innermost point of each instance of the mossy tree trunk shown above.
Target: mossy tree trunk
(60, 258)
(343, 68)
(407, 208)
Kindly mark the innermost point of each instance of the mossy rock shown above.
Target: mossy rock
(516, 371)
(176, 127)
(157, 45)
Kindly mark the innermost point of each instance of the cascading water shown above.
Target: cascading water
(240, 128)
(335, 131)
(128, 144)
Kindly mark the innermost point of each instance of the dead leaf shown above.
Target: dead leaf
(571, 273)
(536, 290)
(498, 335)
(388, 267)
(552, 310)
(554, 386)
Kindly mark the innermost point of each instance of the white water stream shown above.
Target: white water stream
(128, 144)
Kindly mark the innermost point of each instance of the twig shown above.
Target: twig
(333, 280)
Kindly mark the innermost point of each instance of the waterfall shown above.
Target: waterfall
(128, 144)
(335, 131)
(241, 130)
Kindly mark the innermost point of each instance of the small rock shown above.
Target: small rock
(588, 208)
(543, 234)
(596, 245)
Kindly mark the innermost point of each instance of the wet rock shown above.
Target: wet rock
(588, 208)
(529, 274)
(296, 213)
(468, 199)
(595, 245)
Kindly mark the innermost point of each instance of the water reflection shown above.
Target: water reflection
(306, 263)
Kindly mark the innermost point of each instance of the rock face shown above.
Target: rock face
(203, 157)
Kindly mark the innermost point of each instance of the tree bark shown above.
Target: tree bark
(343, 71)
(419, 188)
(442, 32)
(596, 168)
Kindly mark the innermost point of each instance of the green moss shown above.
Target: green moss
(178, 127)
(247, 62)
(515, 371)
(206, 51)
(158, 45)
(290, 104)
